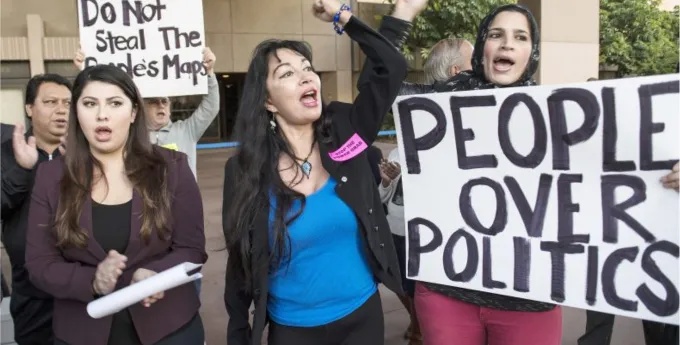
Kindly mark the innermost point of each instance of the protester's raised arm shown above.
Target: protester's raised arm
(205, 114)
(383, 74)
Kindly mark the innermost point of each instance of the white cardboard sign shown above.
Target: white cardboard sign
(548, 193)
(159, 43)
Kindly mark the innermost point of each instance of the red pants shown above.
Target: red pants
(448, 321)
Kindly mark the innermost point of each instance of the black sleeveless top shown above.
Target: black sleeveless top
(111, 228)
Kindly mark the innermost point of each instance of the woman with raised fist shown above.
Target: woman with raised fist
(306, 232)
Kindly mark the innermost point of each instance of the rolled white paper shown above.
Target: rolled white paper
(135, 293)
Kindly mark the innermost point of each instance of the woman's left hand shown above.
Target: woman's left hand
(326, 10)
(141, 274)
(672, 180)
(209, 60)
(408, 9)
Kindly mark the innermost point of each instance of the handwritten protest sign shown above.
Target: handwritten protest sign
(159, 43)
(548, 193)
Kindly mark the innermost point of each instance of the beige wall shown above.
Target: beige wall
(60, 16)
(11, 106)
(569, 53)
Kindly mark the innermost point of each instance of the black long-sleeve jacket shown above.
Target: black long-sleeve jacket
(17, 184)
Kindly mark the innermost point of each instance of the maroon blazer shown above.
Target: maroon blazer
(68, 274)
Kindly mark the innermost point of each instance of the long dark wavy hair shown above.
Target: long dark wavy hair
(258, 176)
(144, 166)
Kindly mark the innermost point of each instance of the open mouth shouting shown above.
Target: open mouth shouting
(102, 133)
(310, 98)
(503, 63)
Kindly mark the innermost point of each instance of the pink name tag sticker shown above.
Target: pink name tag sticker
(354, 146)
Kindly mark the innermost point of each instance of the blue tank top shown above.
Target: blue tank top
(326, 276)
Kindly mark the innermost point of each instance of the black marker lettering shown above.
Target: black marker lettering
(115, 44)
(566, 209)
(557, 252)
(101, 41)
(648, 128)
(139, 70)
(470, 216)
(592, 275)
(85, 10)
(108, 12)
(412, 144)
(522, 264)
(142, 14)
(533, 219)
(561, 140)
(193, 68)
(414, 247)
(472, 257)
(487, 264)
(465, 134)
(535, 157)
(610, 134)
(658, 306)
(179, 38)
(611, 264)
(611, 212)
(90, 61)
(127, 66)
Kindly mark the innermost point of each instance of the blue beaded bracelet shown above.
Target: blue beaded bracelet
(336, 19)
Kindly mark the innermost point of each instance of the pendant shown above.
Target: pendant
(306, 168)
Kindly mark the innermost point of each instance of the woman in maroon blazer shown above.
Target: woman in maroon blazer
(113, 211)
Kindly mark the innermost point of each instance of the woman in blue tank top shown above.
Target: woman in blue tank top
(307, 236)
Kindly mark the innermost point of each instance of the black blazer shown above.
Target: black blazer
(378, 87)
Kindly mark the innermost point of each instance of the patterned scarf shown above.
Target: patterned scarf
(475, 79)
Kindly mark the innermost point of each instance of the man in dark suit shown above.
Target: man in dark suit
(47, 102)
(7, 131)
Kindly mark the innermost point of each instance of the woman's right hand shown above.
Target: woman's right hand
(108, 271)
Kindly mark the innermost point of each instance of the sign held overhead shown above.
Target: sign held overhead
(159, 43)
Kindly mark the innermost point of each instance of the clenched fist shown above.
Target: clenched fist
(108, 272)
(326, 9)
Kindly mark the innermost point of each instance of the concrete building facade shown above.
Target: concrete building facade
(40, 36)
